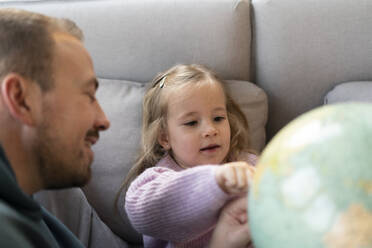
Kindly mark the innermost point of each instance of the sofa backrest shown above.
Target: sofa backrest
(300, 50)
(303, 48)
(133, 40)
(130, 42)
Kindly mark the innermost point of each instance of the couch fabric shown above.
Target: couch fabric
(295, 50)
(133, 40)
(130, 42)
(350, 92)
(302, 48)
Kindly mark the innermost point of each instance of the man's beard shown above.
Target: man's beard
(58, 170)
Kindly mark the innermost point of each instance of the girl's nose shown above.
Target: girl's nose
(210, 130)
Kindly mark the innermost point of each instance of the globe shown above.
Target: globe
(313, 185)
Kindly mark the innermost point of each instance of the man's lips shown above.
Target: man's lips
(210, 147)
(91, 139)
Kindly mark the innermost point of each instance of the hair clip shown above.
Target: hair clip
(162, 82)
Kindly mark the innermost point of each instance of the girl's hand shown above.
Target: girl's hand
(234, 178)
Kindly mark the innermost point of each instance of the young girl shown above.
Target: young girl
(189, 120)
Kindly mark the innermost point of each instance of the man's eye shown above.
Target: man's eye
(219, 118)
(91, 97)
(191, 123)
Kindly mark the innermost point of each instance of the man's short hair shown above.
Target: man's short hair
(27, 45)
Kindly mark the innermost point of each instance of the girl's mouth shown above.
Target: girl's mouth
(209, 148)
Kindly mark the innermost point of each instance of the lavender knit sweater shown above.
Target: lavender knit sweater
(173, 207)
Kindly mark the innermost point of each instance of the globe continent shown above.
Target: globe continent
(313, 185)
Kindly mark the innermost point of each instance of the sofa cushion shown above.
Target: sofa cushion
(301, 48)
(134, 40)
(115, 153)
(253, 102)
(72, 207)
(350, 91)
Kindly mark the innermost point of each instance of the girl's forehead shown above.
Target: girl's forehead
(194, 94)
(189, 89)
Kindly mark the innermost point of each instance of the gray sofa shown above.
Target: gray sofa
(292, 51)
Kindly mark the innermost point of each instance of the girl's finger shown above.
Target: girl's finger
(241, 176)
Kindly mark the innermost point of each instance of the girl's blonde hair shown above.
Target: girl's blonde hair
(154, 117)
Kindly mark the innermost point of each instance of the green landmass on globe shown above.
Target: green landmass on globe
(313, 185)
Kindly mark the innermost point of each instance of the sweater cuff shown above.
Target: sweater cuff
(208, 183)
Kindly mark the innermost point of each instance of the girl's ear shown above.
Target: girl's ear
(163, 140)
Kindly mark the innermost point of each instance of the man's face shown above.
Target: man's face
(71, 118)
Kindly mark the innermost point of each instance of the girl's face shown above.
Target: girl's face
(198, 131)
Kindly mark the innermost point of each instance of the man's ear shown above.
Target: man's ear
(163, 140)
(15, 91)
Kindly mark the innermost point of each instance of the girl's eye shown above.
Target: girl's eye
(219, 118)
(191, 123)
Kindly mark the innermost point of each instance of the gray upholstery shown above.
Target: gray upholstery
(72, 207)
(350, 91)
(116, 151)
(133, 40)
(130, 42)
(302, 48)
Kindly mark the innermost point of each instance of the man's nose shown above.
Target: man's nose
(102, 122)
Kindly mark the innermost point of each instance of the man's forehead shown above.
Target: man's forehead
(67, 41)
(60, 36)
(69, 47)
(73, 60)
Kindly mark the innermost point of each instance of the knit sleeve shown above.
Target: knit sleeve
(249, 158)
(175, 206)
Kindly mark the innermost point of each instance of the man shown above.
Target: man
(49, 120)
(232, 229)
